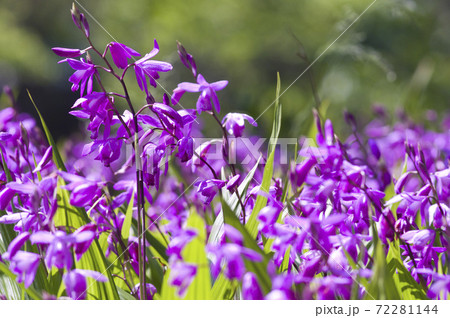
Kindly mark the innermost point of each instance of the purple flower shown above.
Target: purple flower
(150, 290)
(106, 150)
(83, 77)
(302, 170)
(419, 238)
(58, 252)
(46, 159)
(207, 93)
(178, 243)
(185, 148)
(187, 59)
(146, 68)
(83, 245)
(25, 265)
(98, 108)
(75, 281)
(235, 123)
(209, 188)
(233, 255)
(181, 275)
(121, 53)
(233, 182)
(250, 287)
(84, 191)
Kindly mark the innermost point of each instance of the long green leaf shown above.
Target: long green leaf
(261, 200)
(128, 218)
(194, 253)
(382, 286)
(405, 284)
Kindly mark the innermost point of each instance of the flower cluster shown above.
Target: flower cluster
(147, 212)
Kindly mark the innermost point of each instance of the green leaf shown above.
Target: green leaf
(383, 286)
(405, 284)
(124, 295)
(158, 246)
(261, 201)
(276, 126)
(222, 288)
(194, 253)
(128, 218)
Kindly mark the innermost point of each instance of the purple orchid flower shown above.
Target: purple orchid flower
(207, 93)
(250, 287)
(232, 254)
(58, 252)
(235, 123)
(83, 77)
(75, 282)
(149, 288)
(185, 148)
(146, 68)
(25, 265)
(84, 191)
(181, 275)
(209, 188)
(120, 54)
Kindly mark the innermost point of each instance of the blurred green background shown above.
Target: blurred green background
(396, 54)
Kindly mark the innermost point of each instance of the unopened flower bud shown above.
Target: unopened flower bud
(85, 24)
(75, 16)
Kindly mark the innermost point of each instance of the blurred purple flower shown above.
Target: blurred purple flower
(235, 123)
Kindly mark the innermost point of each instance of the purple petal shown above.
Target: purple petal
(64, 52)
(45, 159)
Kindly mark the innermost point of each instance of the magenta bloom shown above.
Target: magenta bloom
(84, 191)
(58, 252)
(150, 290)
(181, 275)
(146, 68)
(185, 148)
(25, 265)
(83, 77)
(235, 123)
(121, 53)
(250, 287)
(207, 93)
(209, 188)
(75, 281)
